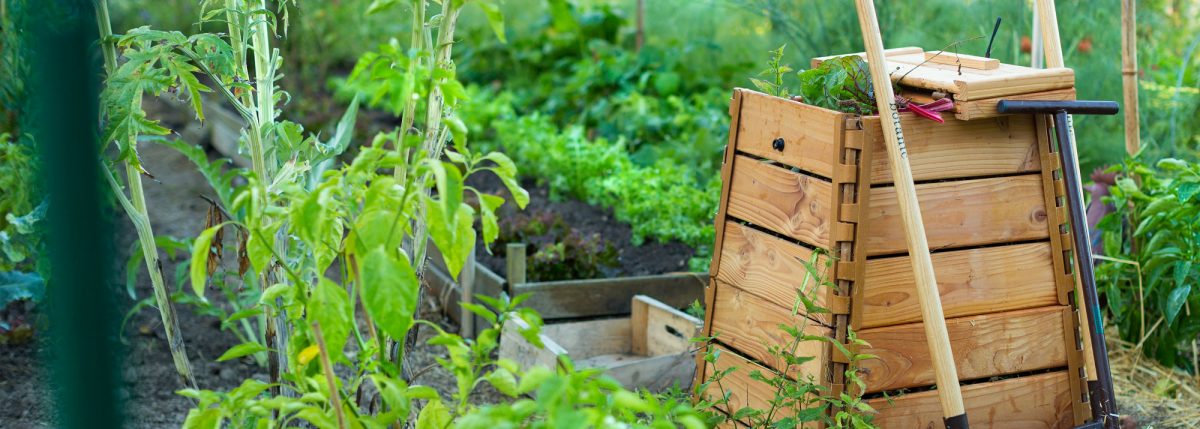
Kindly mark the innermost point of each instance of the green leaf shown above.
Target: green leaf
(1175, 302)
(503, 381)
(381, 228)
(435, 415)
(243, 349)
(201, 249)
(1186, 191)
(209, 418)
(258, 249)
(495, 19)
(487, 214)
(330, 307)
(389, 288)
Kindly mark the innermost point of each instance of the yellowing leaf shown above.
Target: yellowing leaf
(308, 354)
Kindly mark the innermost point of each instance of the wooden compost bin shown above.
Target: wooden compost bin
(798, 177)
(650, 349)
(557, 300)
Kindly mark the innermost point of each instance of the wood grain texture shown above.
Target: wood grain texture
(962, 214)
(767, 266)
(986, 108)
(664, 330)
(751, 325)
(984, 346)
(1035, 402)
(967, 61)
(788, 203)
(809, 133)
(743, 390)
(970, 282)
(959, 149)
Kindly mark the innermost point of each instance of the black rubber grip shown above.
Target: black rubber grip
(957, 422)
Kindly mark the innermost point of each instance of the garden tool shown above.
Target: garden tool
(1052, 47)
(1100, 391)
(936, 335)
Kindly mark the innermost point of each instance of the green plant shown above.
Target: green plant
(796, 401)
(1153, 238)
(557, 251)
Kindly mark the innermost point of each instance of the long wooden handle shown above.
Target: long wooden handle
(1052, 45)
(918, 249)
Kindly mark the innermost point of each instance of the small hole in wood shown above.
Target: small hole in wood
(674, 332)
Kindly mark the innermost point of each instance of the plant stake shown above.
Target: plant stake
(927, 292)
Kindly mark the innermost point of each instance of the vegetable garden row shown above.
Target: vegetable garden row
(385, 142)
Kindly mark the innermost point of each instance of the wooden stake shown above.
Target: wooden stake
(936, 334)
(1129, 73)
(515, 264)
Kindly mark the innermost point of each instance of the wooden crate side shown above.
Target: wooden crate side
(592, 337)
(964, 213)
(1035, 402)
(658, 329)
(735, 115)
(608, 297)
(809, 133)
(970, 282)
(959, 149)
(984, 346)
(764, 265)
(788, 203)
(751, 325)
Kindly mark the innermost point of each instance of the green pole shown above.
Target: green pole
(83, 347)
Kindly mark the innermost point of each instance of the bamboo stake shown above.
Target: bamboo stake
(936, 335)
(135, 208)
(1129, 73)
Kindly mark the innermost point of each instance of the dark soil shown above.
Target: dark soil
(652, 257)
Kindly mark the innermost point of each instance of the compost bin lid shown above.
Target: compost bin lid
(967, 77)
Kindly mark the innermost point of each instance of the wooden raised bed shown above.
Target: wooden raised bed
(651, 349)
(798, 178)
(558, 300)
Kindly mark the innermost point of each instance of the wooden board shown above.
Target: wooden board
(970, 282)
(986, 108)
(788, 203)
(966, 61)
(657, 373)
(514, 347)
(751, 325)
(961, 214)
(971, 84)
(1034, 402)
(767, 266)
(809, 132)
(659, 330)
(984, 346)
(959, 149)
(744, 391)
(608, 297)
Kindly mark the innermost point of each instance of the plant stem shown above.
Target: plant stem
(135, 208)
(327, 367)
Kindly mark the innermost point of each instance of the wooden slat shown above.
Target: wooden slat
(788, 203)
(1035, 402)
(751, 325)
(959, 149)
(765, 265)
(808, 132)
(608, 297)
(967, 61)
(592, 337)
(986, 108)
(973, 84)
(962, 214)
(984, 346)
(663, 330)
(970, 282)
(744, 391)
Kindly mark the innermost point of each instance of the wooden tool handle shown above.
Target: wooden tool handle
(936, 334)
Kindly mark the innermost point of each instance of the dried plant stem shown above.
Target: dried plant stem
(135, 207)
(327, 367)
